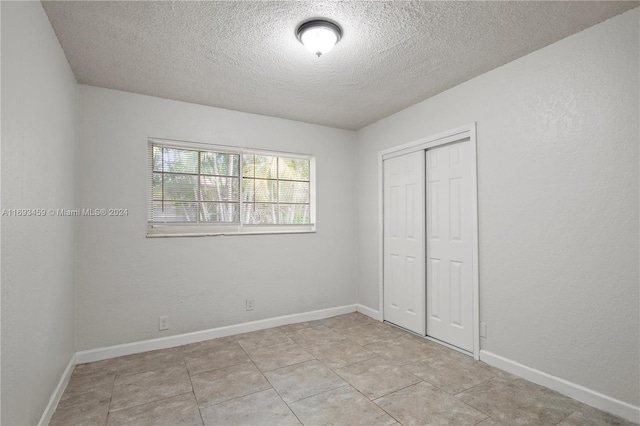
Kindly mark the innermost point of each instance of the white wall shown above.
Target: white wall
(38, 171)
(558, 203)
(125, 280)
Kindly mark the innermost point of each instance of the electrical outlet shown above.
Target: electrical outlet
(483, 329)
(250, 304)
(163, 323)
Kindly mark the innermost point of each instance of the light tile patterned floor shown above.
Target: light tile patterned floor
(346, 370)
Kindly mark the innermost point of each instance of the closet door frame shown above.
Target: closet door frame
(463, 133)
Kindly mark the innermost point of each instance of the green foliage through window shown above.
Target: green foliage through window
(193, 186)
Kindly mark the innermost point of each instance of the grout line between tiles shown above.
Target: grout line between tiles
(321, 392)
(237, 397)
(472, 407)
(251, 393)
(155, 401)
(474, 386)
(113, 384)
(373, 402)
(263, 346)
(397, 390)
(448, 394)
(270, 384)
(290, 365)
(388, 413)
(193, 390)
(217, 369)
(483, 420)
(281, 398)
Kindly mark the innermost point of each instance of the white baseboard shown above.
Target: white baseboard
(57, 393)
(369, 312)
(572, 390)
(199, 336)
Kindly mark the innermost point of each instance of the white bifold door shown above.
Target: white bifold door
(404, 288)
(428, 243)
(450, 245)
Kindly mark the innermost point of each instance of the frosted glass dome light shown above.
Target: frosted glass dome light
(319, 36)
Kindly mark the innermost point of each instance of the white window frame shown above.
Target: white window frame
(217, 229)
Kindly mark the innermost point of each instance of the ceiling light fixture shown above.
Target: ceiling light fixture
(319, 35)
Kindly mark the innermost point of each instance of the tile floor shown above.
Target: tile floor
(347, 370)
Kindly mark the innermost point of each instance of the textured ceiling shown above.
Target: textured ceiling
(243, 55)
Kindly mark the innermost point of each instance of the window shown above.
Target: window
(198, 189)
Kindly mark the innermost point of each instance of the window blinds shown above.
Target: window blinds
(194, 185)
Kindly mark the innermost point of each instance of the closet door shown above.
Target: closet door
(404, 241)
(450, 244)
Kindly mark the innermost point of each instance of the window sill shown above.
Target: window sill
(167, 231)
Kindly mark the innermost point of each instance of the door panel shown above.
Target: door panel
(449, 245)
(404, 244)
